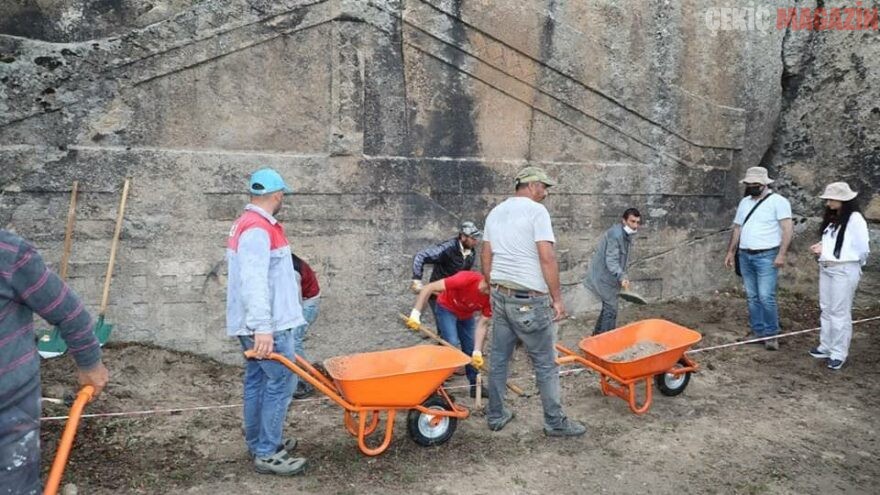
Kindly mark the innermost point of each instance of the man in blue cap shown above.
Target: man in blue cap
(262, 309)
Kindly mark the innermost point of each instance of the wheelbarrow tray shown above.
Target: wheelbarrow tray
(394, 378)
(675, 338)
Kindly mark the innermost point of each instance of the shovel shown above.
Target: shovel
(102, 329)
(50, 344)
(513, 388)
(632, 297)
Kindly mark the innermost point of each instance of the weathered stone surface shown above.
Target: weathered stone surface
(396, 119)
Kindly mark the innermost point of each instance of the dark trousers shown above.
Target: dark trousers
(20, 445)
(607, 319)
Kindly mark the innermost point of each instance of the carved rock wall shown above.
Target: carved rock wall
(394, 120)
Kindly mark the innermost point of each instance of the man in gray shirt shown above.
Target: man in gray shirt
(519, 262)
(607, 273)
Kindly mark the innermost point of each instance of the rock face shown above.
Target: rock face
(394, 120)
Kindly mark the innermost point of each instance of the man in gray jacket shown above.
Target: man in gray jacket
(608, 268)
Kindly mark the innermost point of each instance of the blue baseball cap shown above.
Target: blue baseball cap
(267, 181)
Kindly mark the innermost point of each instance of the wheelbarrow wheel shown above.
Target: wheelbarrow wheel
(428, 430)
(671, 385)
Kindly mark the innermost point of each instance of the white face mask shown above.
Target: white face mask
(628, 230)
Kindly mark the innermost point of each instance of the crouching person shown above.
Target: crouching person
(460, 296)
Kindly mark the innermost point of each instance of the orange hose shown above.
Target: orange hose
(60, 462)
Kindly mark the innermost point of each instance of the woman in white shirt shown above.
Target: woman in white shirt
(842, 252)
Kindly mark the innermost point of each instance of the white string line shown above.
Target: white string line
(762, 339)
(564, 372)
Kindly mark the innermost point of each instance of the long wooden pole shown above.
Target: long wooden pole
(105, 297)
(513, 388)
(68, 231)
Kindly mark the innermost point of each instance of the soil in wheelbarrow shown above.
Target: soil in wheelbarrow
(752, 421)
(637, 351)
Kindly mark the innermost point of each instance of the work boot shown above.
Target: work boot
(506, 417)
(771, 344)
(567, 428)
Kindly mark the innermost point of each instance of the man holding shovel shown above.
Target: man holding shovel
(27, 286)
(607, 273)
(461, 295)
(262, 309)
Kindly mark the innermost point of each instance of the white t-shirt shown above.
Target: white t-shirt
(855, 241)
(513, 228)
(762, 230)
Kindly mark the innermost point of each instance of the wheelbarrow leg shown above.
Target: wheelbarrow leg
(648, 397)
(352, 426)
(389, 431)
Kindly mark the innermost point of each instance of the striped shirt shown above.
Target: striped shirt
(26, 287)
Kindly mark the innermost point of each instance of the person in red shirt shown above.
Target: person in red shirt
(460, 296)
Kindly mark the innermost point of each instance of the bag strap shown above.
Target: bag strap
(755, 208)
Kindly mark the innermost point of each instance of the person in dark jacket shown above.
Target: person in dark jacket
(607, 273)
(26, 287)
(447, 258)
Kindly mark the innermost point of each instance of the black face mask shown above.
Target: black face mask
(754, 191)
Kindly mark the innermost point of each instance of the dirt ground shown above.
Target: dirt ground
(751, 421)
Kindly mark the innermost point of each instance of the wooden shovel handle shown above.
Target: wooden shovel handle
(513, 388)
(68, 231)
(105, 297)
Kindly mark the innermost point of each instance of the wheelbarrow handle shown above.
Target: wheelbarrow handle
(55, 474)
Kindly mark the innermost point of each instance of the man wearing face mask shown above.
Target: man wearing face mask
(762, 231)
(262, 309)
(608, 268)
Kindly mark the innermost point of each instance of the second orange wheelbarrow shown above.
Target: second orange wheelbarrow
(406, 379)
(667, 365)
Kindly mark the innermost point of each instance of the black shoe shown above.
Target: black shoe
(506, 417)
(834, 364)
(303, 390)
(485, 392)
(816, 353)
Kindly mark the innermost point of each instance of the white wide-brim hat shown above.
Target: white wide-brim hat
(839, 191)
(757, 175)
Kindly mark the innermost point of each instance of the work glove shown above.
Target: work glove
(414, 321)
(416, 286)
(477, 360)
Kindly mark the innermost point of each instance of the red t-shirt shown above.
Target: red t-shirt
(462, 295)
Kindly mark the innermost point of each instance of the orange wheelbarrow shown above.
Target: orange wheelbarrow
(669, 368)
(407, 379)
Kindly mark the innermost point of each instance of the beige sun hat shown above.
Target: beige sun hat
(839, 191)
(757, 175)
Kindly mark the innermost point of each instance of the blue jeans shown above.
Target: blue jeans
(310, 309)
(459, 333)
(759, 277)
(268, 389)
(20, 444)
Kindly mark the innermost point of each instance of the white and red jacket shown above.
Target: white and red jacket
(262, 293)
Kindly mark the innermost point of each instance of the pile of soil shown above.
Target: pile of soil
(637, 351)
(751, 421)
